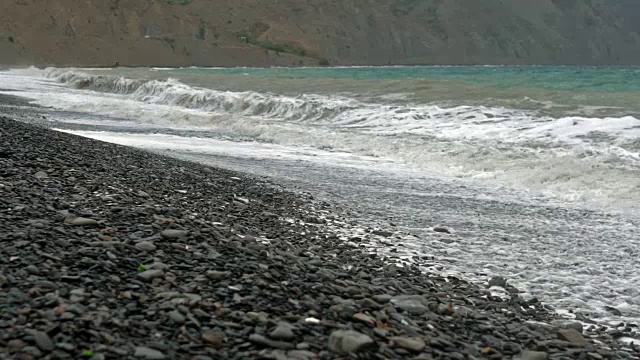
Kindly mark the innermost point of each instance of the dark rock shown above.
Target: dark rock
(572, 336)
(613, 310)
(261, 340)
(147, 246)
(382, 233)
(441, 229)
(174, 234)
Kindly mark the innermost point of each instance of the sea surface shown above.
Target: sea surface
(536, 170)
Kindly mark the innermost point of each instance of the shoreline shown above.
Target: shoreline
(4, 67)
(223, 265)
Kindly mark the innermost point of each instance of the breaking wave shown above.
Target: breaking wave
(309, 108)
(573, 158)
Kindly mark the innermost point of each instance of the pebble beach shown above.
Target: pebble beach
(110, 252)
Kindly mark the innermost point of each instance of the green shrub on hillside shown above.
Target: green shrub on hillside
(268, 45)
(179, 2)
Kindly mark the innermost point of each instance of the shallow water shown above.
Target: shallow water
(535, 169)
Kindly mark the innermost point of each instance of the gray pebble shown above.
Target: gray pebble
(42, 340)
(147, 246)
(176, 316)
(174, 234)
(144, 352)
(532, 355)
(284, 331)
(151, 274)
(414, 304)
(348, 341)
(382, 299)
(261, 340)
(498, 281)
(217, 275)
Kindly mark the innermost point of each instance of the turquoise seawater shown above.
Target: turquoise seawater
(552, 91)
(600, 79)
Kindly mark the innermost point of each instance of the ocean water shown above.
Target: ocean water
(535, 169)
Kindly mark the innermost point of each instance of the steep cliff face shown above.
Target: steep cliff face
(309, 32)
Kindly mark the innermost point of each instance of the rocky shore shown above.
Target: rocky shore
(108, 252)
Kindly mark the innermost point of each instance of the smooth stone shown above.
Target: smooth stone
(43, 341)
(284, 331)
(572, 336)
(41, 175)
(151, 274)
(344, 342)
(80, 221)
(414, 304)
(260, 317)
(174, 234)
(66, 346)
(463, 311)
(382, 299)
(532, 355)
(370, 303)
(301, 355)
(411, 344)
(146, 246)
(326, 274)
(364, 318)
(33, 350)
(67, 316)
(177, 317)
(217, 275)
(498, 281)
(213, 338)
(445, 309)
(148, 353)
(567, 324)
(261, 340)
(32, 269)
(15, 345)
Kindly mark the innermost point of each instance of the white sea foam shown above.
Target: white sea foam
(580, 159)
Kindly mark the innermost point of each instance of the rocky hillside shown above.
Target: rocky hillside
(306, 32)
